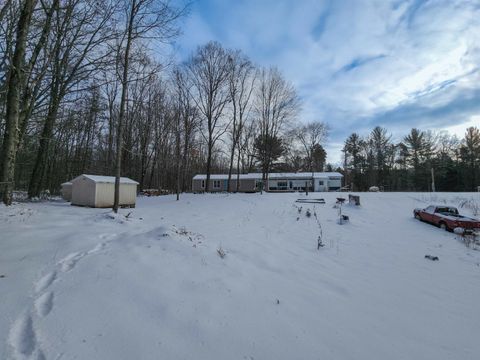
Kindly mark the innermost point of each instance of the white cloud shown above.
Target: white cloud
(357, 62)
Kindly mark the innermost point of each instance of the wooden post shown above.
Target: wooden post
(433, 180)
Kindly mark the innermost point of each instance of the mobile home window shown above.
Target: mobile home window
(282, 184)
(203, 184)
(216, 184)
(320, 182)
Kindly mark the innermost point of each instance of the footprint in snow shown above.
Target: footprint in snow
(107, 236)
(69, 262)
(44, 304)
(45, 282)
(23, 340)
(96, 249)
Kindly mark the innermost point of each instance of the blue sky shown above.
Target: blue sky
(358, 63)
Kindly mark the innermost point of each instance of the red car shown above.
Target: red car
(446, 217)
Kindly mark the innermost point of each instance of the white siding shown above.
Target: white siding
(67, 191)
(88, 192)
(105, 193)
(83, 192)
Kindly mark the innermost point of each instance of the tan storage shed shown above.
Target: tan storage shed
(67, 191)
(98, 191)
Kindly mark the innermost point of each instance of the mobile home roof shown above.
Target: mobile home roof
(299, 175)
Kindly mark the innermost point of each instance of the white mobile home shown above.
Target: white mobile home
(98, 191)
(276, 182)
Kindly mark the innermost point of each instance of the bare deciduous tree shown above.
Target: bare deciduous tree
(276, 104)
(310, 136)
(241, 82)
(208, 72)
(143, 19)
(14, 87)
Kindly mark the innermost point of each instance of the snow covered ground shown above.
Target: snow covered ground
(79, 283)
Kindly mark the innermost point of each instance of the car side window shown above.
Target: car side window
(430, 209)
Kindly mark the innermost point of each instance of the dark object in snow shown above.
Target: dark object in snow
(308, 213)
(2, 276)
(342, 219)
(431, 257)
(354, 200)
(299, 209)
(340, 200)
(278, 302)
(298, 218)
(311, 201)
(221, 252)
(320, 243)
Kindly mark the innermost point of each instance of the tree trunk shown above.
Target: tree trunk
(238, 170)
(178, 175)
(209, 163)
(36, 181)
(15, 84)
(230, 169)
(121, 115)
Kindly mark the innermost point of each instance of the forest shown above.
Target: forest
(96, 87)
(419, 161)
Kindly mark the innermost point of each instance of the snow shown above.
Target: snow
(82, 283)
(106, 179)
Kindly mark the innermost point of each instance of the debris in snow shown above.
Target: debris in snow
(320, 236)
(470, 237)
(354, 200)
(182, 231)
(2, 276)
(278, 302)
(431, 257)
(308, 213)
(320, 243)
(117, 217)
(342, 219)
(221, 252)
(311, 201)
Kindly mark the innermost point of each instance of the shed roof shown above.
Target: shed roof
(106, 179)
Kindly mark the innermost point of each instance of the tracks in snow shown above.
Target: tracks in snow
(23, 336)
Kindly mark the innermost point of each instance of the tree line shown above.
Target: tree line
(421, 161)
(88, 87)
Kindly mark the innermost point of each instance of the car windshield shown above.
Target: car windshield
(447, 210)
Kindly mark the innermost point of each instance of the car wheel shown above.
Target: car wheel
(418, 217)
(443, 226)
